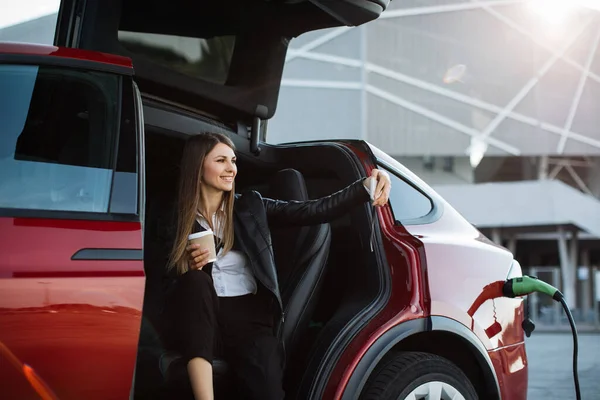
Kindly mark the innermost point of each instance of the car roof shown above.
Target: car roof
(27, 49)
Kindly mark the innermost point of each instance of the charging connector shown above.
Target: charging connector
(525, 285)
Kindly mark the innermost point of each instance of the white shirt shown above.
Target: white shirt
(231, 273)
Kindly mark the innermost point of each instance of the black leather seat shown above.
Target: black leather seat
(301, 255)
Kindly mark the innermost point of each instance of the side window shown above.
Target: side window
(58, 138)
(124, 197)
(407, 202)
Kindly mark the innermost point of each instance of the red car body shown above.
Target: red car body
(443, 254)
(75, 320)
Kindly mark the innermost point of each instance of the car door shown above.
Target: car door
(222, 58)
(71, 269)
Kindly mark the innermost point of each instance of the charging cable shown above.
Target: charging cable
(525, 285)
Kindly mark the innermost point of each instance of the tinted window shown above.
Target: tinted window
(207, 59)
(124, 196)
(407, 202)
(57, 138)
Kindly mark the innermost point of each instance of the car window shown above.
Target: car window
(57, 138)
(124, 195)
(407, 202)
(207, 59)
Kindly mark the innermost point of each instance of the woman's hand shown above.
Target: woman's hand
(198, 258)
(382, 187)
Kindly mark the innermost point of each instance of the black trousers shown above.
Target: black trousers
(236, 329)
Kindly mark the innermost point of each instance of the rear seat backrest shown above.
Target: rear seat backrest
(300, 255)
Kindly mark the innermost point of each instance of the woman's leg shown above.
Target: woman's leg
(250, 345)
(258, 368)
(201, 378)
(192, 309)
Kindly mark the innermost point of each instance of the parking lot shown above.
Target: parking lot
(550, 366)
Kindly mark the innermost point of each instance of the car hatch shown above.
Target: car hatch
(224, 58)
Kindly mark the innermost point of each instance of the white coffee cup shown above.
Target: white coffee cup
(206, 241)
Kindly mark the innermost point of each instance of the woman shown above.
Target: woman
(232, 308)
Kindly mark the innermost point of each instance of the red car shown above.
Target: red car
(401, 303)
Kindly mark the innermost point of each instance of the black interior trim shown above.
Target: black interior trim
(109, 254)
(168, 117)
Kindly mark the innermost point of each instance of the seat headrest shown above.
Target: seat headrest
(287, 184)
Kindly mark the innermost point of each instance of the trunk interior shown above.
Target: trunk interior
(351, 280)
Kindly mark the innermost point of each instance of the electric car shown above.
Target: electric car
(386, 304)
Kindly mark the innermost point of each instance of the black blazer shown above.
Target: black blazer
(253, 213)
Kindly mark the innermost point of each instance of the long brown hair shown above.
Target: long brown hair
(190, 195)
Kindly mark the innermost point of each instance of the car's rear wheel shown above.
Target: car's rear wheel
(416, 376)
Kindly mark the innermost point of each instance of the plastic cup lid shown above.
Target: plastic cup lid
(200, 234)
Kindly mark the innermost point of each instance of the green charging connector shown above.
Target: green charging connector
(525, 285)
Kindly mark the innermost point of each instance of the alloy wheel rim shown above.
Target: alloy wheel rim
(435, 390)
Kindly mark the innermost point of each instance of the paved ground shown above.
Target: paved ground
(550, 366)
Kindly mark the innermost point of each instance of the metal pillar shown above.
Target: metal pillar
(566, 266)
(595, 297)
(533, 300)
(556, 307)
(574, 264)
(586, 285)
(511, 245)
(543, 167)
(496, 236)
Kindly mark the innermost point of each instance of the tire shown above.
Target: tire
(398, 377)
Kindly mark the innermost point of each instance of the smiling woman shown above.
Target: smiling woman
(230, 306)
(206, 189)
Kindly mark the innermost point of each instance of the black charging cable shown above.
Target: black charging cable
(525, 285)
(575, 346)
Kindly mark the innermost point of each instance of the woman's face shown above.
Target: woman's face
(219, 169)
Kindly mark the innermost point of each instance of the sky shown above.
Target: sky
(16, 11)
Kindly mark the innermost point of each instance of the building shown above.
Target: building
(493, 103)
